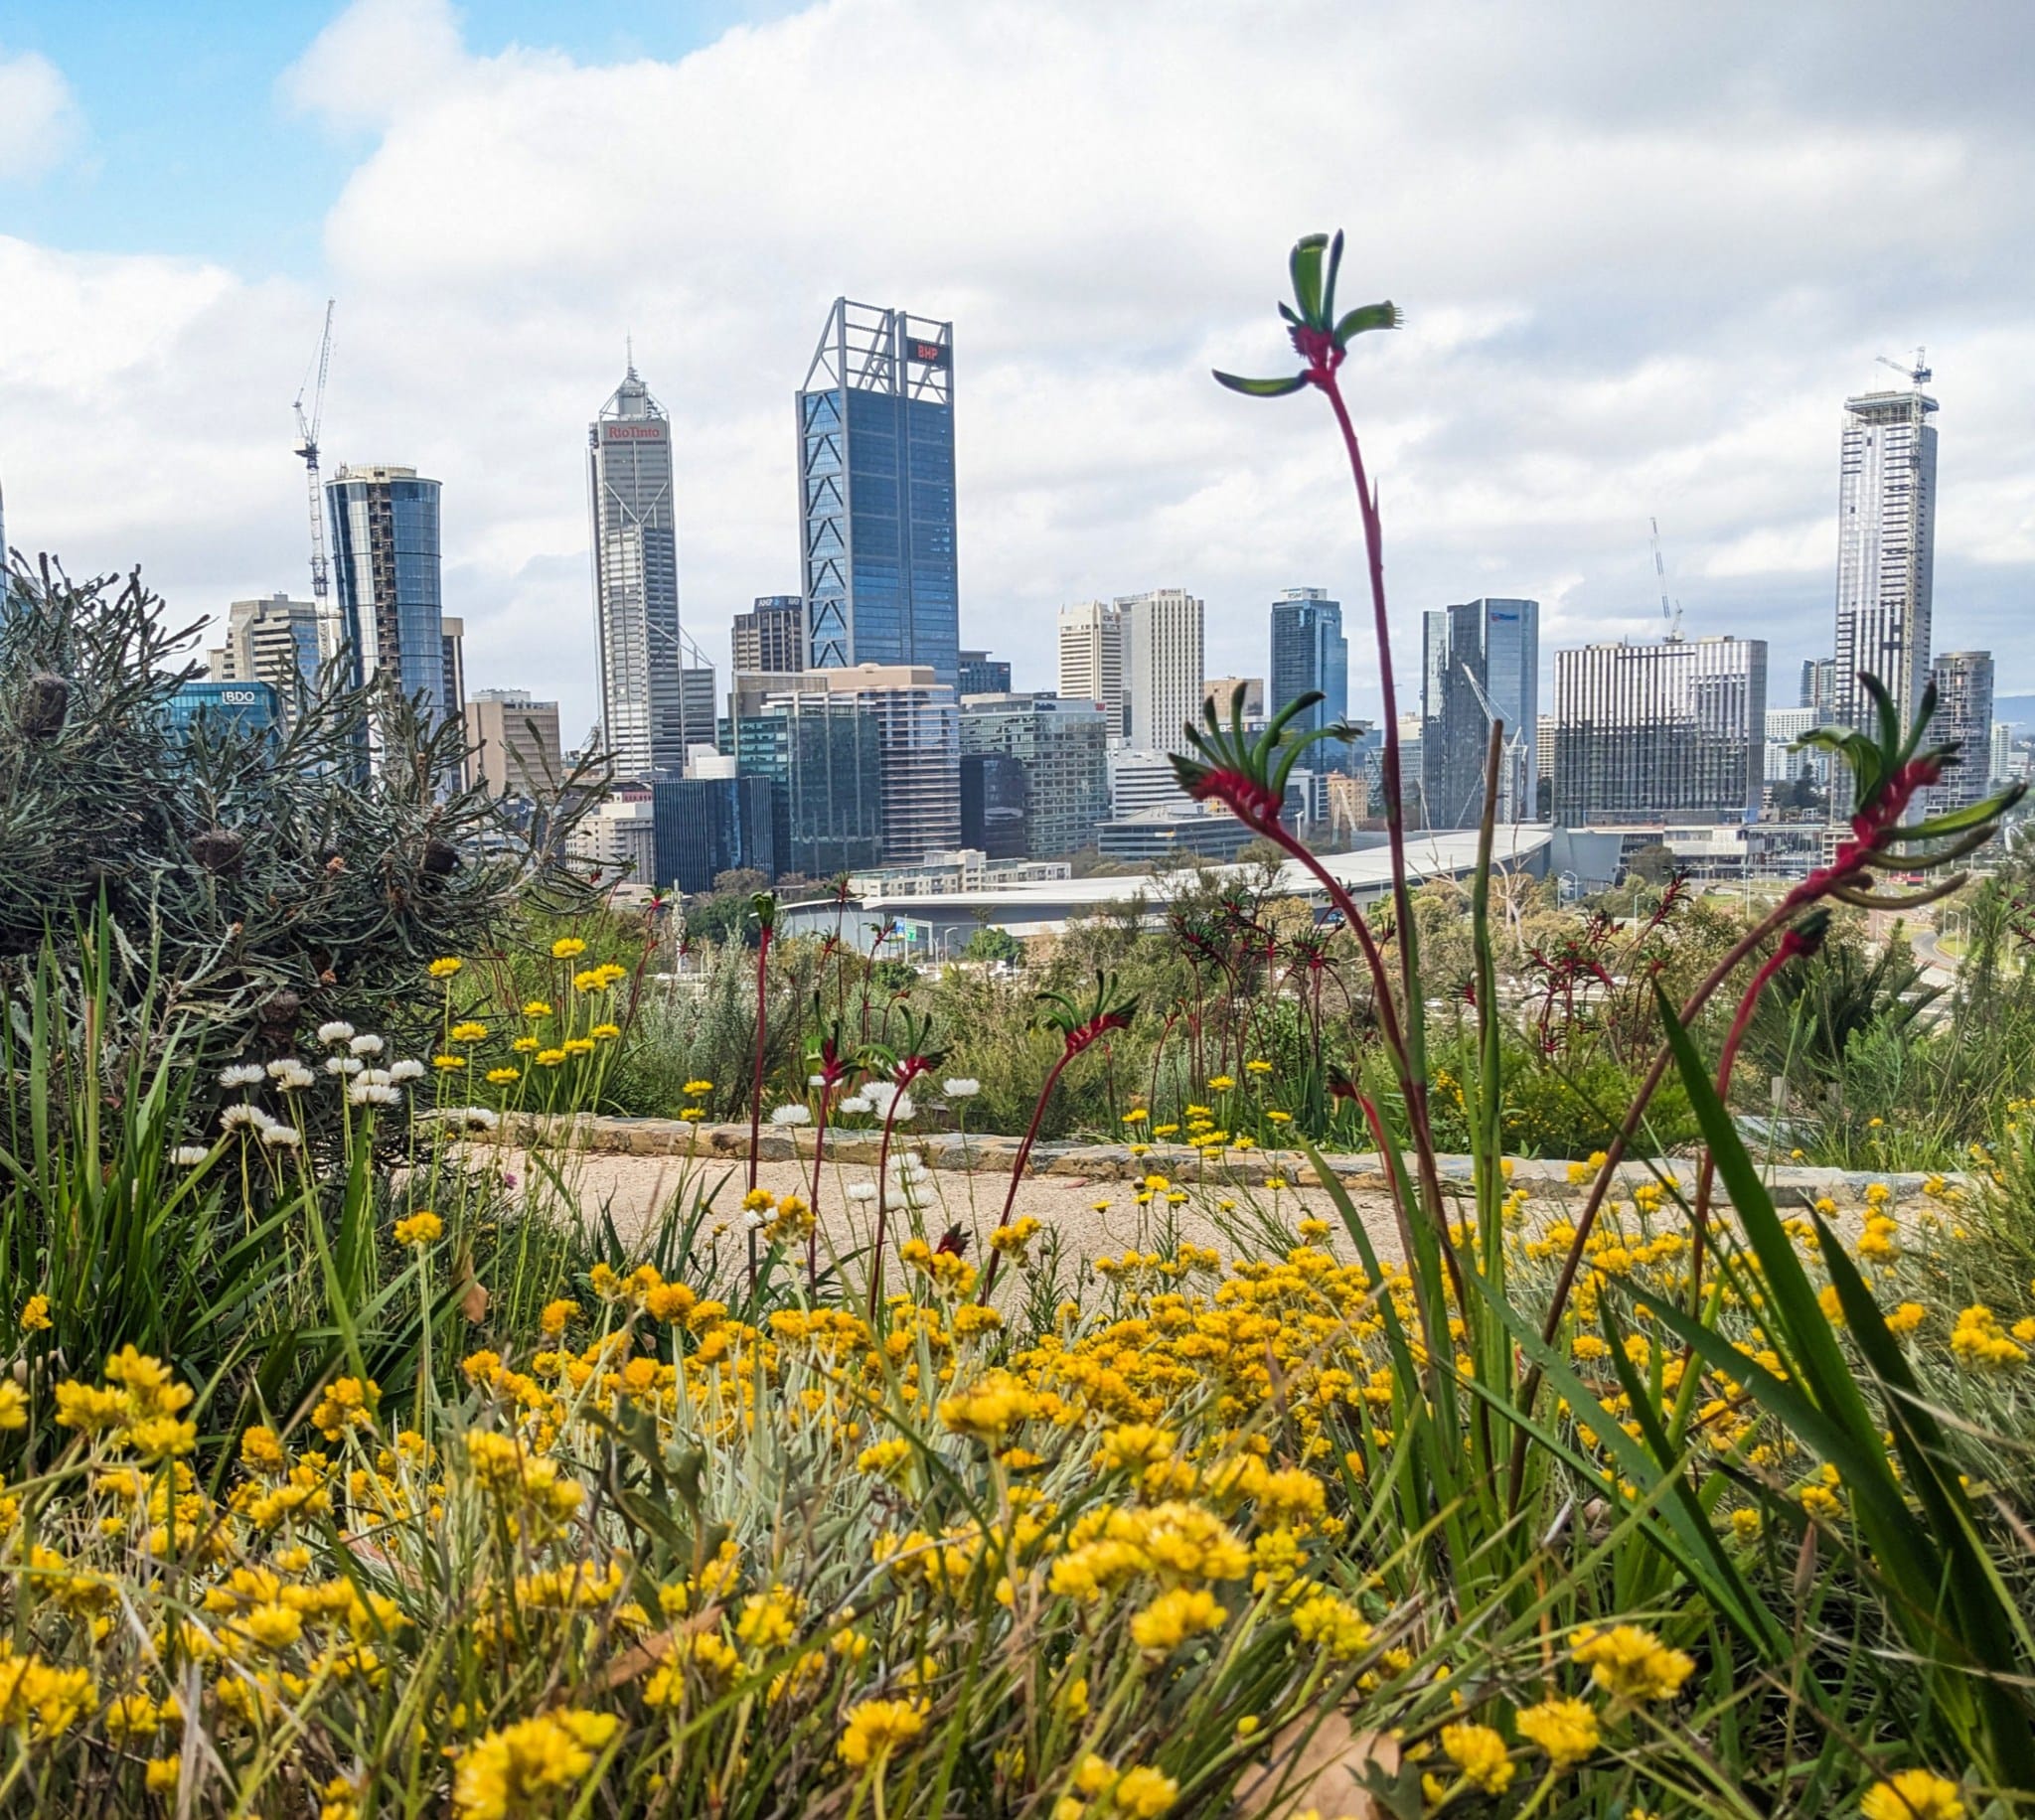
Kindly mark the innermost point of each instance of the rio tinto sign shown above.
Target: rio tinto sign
(632, 432)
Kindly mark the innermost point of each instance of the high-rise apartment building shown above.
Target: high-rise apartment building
(384, 523)
(1786, 726)
(983, 674)
(1886, 550)
(513, 743)
(877, 506)
(771, 636)
(1482, 661)
(1309, 652)
(1092, 659)
(1063, 745)
(1652, 732)
(1161, 668)
(1544, 750)
(644, 718)
(1220, 692)
(453, 643)
(274, 639)
(822, 754)
(919, 730)
(1819, 687)
(1964, 716)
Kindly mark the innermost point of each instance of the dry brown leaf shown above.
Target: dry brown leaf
(1319, 1763)
(474, 1304)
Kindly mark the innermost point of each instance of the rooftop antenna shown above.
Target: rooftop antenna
(1660, 575)
(1918, 375)
(308, 453)
(629, 345)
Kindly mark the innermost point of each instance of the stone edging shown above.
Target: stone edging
(1363, 1171)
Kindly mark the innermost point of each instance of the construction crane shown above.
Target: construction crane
(1660, 575)
(1918, 375)
(308, 453)
(1511, 766)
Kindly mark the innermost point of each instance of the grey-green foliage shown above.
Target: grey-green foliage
(276, 884)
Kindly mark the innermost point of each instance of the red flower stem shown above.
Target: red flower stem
(988, 1276)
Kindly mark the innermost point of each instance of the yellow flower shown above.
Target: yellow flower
(552, 1322)
(549, 1058)
(875, 1728)
(275, 1625)
(444, 967)
(503, 1077)
(1174, 1617)
(1631, 1664)
(1145, 1793)
(537, 1009)
(160, 1777)
(1220, 1082)
(517, 1769)
(606, 1032)
(567, 946)
(1258, 1067)
(13, 1405)
(525, 1045)
(445, 1064)
(1565, 1728)
(696, 1087)
(35, 1314)
(1913, 1795)
(422, 1228)
(469, 1032)
(1480, 1755)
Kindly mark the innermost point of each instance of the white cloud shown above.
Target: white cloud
(39, 120)
(1644, 260)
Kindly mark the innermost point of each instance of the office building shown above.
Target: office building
(618, 838)
(1786, 726)
(918, 727)
(453, 643)
(2002, 750)
(1481, 661)
(982, 675)
(876, 420)
(1348, 803)
(513, 744)
(1164, 836)
(1063, 746)
(1819, 687)
(1092, 659)
(1220, 692)
(1886, 551)
(1543, 751)
(1673, 731)
(644, 716)
(1161, 668)
(384, 523)
(995, 805)
(823, 755)
(703, 827)
(1963, 718)
(1309, 652)
(274, 639)
(771, 636)
(251, 708)
(1139, 781)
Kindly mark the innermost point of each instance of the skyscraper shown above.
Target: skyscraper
(274, 639)
(1092, 659)
(1309, 652)
(995, 801)
(1481, 660)
(1063, 744)
(386, 574)
(453, 639)
(1886, 550)
(636, 583)
(983, 674)
(516, 750)
(771, 636)
(1963, 713)
(876, 493)
(1673, 731)
(822, 754)
(1161, 668)
(918, 729)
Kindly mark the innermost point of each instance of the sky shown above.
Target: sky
(1643, 253)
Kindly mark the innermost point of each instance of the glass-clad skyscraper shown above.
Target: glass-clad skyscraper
(1481, 661)
(1309, 652)
(386, 573)
(876, 493)
(636, 583)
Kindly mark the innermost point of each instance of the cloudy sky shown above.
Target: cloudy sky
(1644, 254)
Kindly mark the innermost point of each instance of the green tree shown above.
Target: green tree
(989, 943)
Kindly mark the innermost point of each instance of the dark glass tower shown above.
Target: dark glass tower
(1482, 662)
(1309, 652)
(876, 493)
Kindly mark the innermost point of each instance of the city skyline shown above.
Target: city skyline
(1594, 336)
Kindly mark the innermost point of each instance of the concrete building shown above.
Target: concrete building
(453, 641)
(919, 731)
(619, 837)
(1222, 692)
(1349, 803)
(1309, 652)
(822, 754)
(1152, 836)
(1673, 731)
(1092, 659)
(513, 742)
(274, 639)
(1786, 726)
(1480, 660)
(1161, 668)
(1543, 749)
(1886, 550)
(876, 502)
(1963, 717)
(1139, 781)
(2002, 750)
(644, 715)
(983, 674)
(995, 805)
(771, 636)
(1063, 746)
(386, 575)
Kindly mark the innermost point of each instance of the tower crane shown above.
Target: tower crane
(308, 453)
(1660, 575)
(1917, 374)
(1511, 766)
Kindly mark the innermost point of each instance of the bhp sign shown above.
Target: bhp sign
(632, 432)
